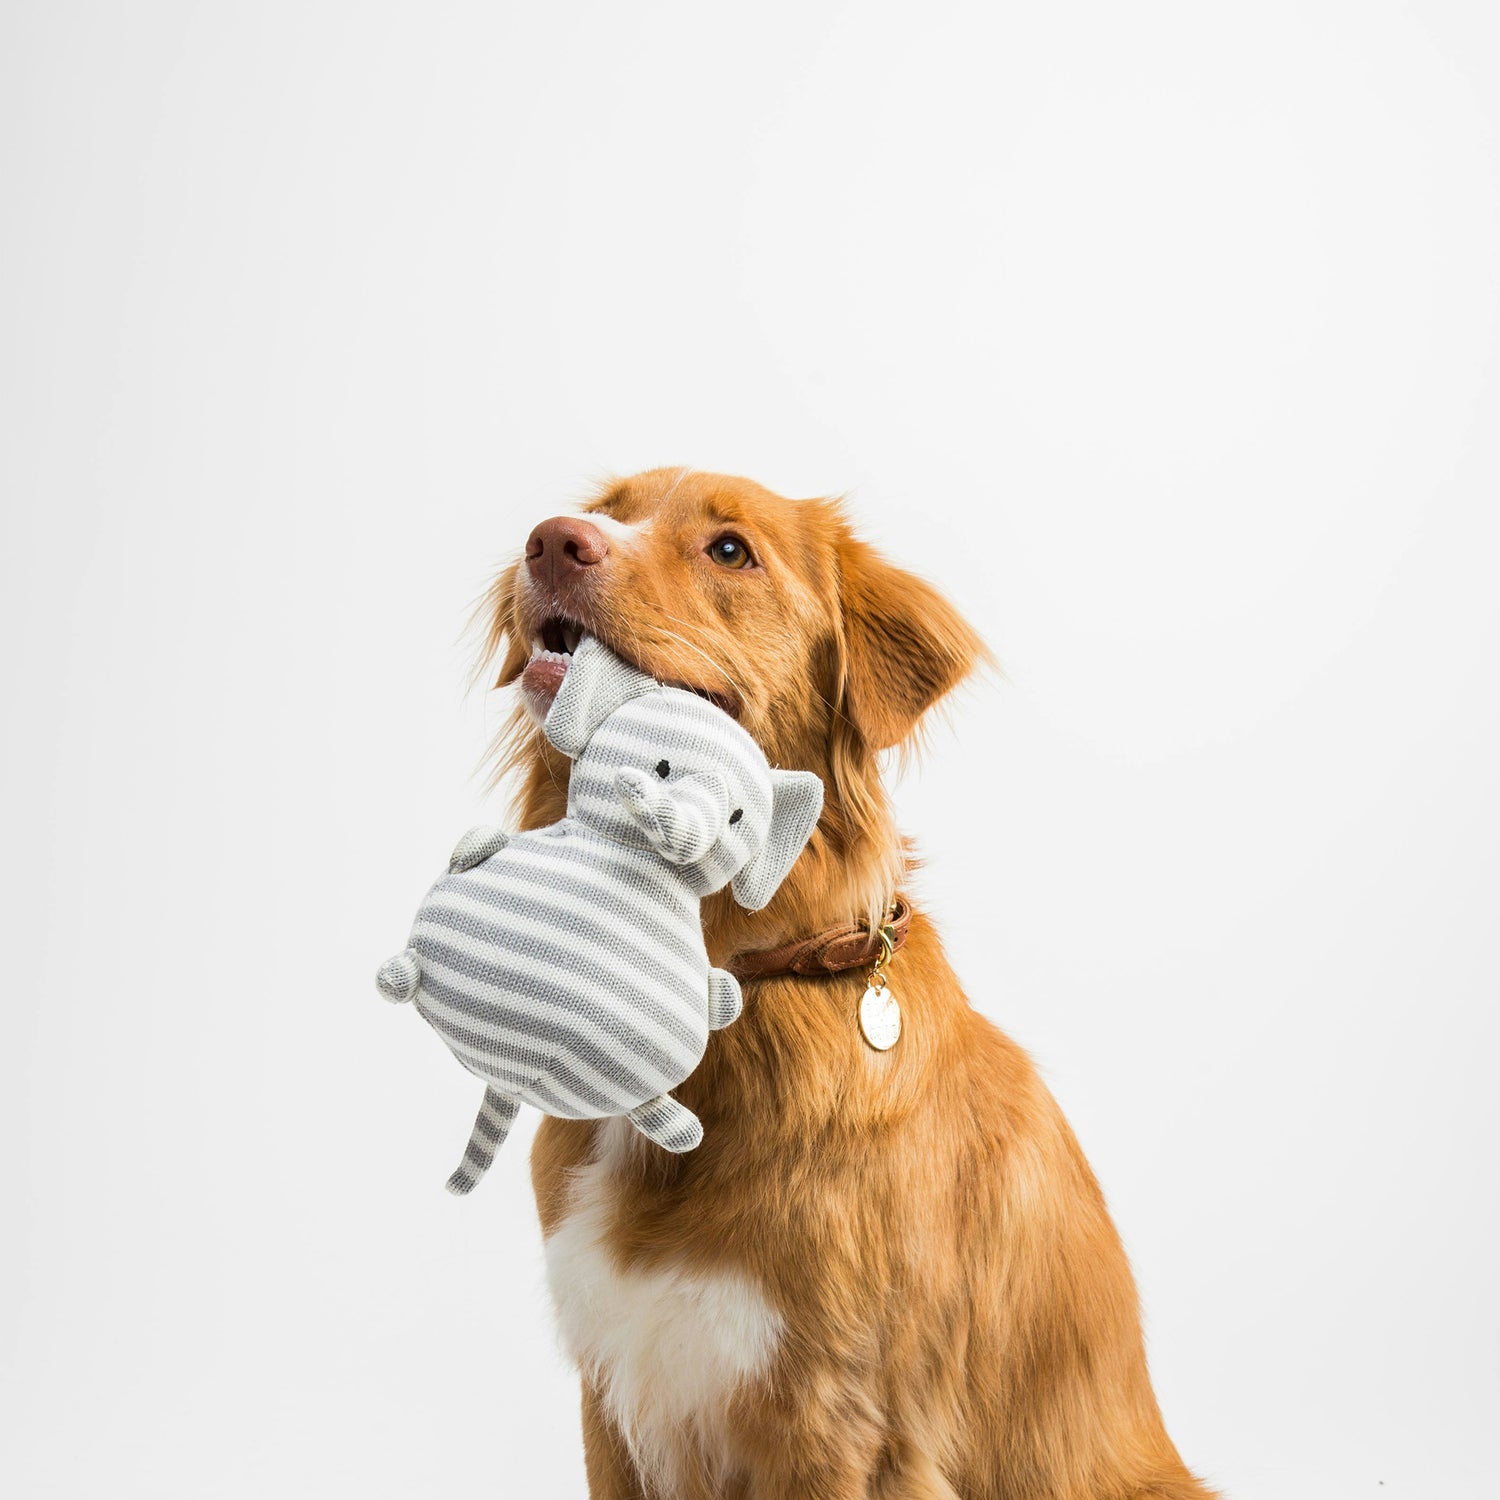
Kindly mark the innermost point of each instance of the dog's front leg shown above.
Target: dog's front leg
(612, 1475)
(835, 1481)
(842, 1459)
(815, 1462)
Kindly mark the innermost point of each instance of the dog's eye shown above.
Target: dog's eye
(729, 552)
(663, 769)
(737, 814)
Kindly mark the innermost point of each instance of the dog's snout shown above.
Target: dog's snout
(562, 546)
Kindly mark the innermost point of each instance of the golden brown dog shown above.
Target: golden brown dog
(882, 1274)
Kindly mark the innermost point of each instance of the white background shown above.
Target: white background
(1163, 337)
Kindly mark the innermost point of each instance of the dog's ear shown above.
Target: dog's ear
(494, 623)
(905, 646)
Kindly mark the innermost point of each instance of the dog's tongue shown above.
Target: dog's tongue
(543, 676)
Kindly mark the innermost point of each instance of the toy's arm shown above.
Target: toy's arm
(724, 999)
(476, 846)
(671, 1125)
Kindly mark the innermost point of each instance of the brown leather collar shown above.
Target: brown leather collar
(830, 952)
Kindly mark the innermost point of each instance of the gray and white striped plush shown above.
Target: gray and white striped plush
(566, 966)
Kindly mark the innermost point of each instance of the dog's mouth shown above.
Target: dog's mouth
(553, 642)
(552, 647)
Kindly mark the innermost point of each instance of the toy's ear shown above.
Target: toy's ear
(797, 800)
(596, 684)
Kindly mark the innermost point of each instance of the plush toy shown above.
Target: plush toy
(566, 966)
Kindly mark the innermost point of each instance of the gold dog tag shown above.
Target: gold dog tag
(880, 1016)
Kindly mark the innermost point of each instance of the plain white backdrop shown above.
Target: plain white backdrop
(1164, 337)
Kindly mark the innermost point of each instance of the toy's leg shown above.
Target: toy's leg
(724, 1000)
(490, 1129)
(671, 1125)
(398, 978)
(475, 847)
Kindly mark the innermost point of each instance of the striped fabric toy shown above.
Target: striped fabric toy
(565, 966)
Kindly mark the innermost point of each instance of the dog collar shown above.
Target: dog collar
(850, 946)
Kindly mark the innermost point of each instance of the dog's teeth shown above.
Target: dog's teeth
(536, 649)
(558, 656)
(571, 636)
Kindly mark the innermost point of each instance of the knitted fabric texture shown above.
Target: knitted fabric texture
(566, 966)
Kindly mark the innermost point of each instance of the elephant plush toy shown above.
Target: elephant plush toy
(565, 966)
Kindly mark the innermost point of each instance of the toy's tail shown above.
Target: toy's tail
(490, 1129)
(399, 978)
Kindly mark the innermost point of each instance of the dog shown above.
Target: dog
(887, 1272)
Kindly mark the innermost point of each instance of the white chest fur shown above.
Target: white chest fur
(665, 1348)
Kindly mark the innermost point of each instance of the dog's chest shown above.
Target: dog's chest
(665, 1348)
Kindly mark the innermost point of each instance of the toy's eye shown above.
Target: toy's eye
(729, 552)
(737, 814)
(663, 769)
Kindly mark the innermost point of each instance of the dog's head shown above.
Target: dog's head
(824, 652)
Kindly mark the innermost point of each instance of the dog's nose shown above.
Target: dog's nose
(563, 546)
